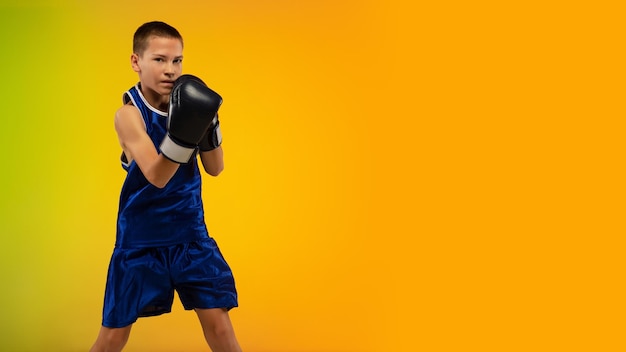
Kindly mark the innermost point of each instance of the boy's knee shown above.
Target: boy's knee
(216, 323)
(111, 340)
(116, 340)
(221, 331)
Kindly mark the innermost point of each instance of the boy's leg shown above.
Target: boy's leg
(111, 339)
(218, 330)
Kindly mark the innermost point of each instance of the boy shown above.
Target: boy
(162, 243)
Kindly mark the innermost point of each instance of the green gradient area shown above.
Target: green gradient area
(38, 143)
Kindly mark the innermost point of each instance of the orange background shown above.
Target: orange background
(400, 176)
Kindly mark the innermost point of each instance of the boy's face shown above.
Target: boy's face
(159, 65)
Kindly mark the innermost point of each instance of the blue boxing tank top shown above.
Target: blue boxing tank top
(152, 217)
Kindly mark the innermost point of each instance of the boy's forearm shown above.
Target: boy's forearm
(160, 171)
(213, 161)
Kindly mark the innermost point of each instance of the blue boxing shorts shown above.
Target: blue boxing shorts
(141, 281)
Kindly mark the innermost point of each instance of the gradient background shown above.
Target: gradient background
(400, 175)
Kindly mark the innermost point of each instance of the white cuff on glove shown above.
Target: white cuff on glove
(175, 152)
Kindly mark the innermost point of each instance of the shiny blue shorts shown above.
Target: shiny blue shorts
(141, 281)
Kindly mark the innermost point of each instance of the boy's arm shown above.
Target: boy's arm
(138, 146)
(213, 161)
(210, 146)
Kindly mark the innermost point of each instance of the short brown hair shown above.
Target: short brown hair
(151, 29)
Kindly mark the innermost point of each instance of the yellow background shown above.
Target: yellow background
(400, 175)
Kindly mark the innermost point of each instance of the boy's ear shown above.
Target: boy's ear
(134, 62)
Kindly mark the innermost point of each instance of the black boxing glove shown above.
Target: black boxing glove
(213, 136)
(193, 108)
